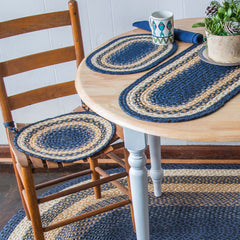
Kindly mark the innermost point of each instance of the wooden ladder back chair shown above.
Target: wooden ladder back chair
(26, 164)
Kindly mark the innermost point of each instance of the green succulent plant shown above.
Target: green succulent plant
(222, 19)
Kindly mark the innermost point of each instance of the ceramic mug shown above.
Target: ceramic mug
(162, 27)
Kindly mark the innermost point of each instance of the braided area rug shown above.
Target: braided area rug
(129, 54)
(199, 202)
(181, 89)
(65, 138)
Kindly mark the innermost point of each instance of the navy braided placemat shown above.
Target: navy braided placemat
(129, 54)
(65, 138)
(181, 89)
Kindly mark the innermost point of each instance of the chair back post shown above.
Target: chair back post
(6, 111)
(76, 30)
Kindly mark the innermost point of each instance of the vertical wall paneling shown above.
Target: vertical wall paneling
(16, 9)
(175, 6)
(195, 8)
(126, 12)
(100, 21)
(85, 26)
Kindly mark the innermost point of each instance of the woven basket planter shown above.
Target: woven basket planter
(224, 49)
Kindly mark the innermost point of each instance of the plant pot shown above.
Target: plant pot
(224, 49)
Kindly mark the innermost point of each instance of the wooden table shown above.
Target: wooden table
(101, 91)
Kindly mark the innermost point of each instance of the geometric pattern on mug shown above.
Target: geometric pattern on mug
(169, 27)
(167, 40)
(161, 26)
(154, 25)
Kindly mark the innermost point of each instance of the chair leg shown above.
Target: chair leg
(20, 185)
(95, 176)
(32, 203)
(20, 188)
(126, 154)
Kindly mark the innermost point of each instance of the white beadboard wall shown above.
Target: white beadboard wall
(100, 20)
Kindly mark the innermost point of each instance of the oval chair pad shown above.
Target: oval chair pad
(66, 138)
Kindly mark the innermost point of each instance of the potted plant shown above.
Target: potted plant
(222, 25)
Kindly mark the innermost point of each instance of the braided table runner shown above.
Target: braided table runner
(129, 54)
(181, 89)
(65, 138)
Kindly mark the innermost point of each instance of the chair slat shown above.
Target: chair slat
(41, 94)
(36, 162)
(37, 60)
(21, 125)
(51, 164)
(78, 109)
(34, 23)
(71, 163)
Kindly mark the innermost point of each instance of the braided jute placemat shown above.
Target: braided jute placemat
(181, 89)
(199, 202)
(65, 138)
(129, 54)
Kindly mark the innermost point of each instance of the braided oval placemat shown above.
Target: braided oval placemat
(65, 138)
(183, 88)
(129, 54)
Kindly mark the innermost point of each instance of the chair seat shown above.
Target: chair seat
(66, 138)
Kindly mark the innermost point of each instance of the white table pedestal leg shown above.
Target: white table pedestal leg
(156, 171)
(135, 143)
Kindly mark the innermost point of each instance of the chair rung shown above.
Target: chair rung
(62, 179)
(81, 187)
(115, 183)
(113, 147)
(117, 159)
(86, 215)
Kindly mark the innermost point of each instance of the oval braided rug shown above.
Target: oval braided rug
(181, 89)
(199, 202)
(129, 54)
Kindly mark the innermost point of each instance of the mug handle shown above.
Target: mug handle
(150, 23)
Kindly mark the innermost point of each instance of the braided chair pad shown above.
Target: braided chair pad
(65, 138)
(129, 54)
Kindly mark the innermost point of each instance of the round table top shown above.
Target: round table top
(101, 91)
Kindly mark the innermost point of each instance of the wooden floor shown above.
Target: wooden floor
(10, 201)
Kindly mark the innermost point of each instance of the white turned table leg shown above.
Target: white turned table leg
(156, 171)
(135, 142)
